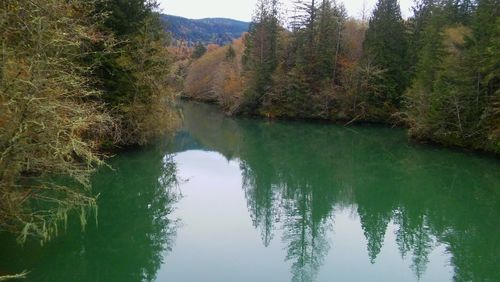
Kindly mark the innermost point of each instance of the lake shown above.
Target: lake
(253, 200)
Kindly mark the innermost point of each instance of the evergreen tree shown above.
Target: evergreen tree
(484, 56)
(330, 21)
(430, 54)
(305, 31)
(134, 76)
(458, 11)
(422, 11)
(199, 50)
(386, 46)
(260, 56)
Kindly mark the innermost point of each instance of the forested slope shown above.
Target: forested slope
(206, 31)
(436, 72)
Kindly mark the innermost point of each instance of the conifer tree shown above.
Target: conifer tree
(199, 50)
(484, 56)
(134, 76)
(331, 19)
(386, 47)
(455, 85)
(260, 56)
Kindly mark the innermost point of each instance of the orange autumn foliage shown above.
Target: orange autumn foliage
(216, 76)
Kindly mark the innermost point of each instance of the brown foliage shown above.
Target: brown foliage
(215, 77)
(48, 117)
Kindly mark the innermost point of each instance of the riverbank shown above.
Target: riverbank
(355, 198)
(346, 123)
(89, 76)
(441, 82)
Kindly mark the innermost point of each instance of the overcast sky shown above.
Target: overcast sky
(243, 9)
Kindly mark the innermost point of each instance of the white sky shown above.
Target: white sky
(243, 9)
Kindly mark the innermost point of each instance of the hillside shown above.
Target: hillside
(211, 30)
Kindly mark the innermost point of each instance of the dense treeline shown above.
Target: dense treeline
(455, 93)
(76, 77)
(134, 76)
(437, 72)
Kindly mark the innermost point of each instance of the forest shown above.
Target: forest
(90, 89)
(78, 81)
(436, 73)
(205, 31)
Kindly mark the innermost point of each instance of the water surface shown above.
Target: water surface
(248, 200)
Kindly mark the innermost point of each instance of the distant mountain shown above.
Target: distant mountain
(211, 30)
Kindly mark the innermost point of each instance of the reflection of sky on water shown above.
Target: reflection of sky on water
(218, 242)
(251, 200)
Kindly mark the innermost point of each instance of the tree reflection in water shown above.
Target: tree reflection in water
(134, 230)
(296, 175)
(297, 178)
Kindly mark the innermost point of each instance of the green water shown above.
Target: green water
(249, 200)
